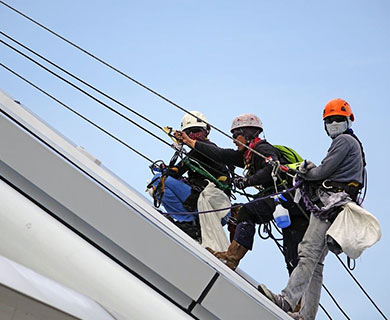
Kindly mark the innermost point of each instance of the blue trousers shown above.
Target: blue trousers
(176, 192)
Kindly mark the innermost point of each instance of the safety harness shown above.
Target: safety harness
(353, 188)
(193, 165)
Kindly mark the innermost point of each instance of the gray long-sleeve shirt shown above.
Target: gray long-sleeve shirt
(343, 163)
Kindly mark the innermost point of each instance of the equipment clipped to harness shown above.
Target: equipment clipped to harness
(352, 188)
(159, 167)
(171, 133)
(281, 215)
(197, 167)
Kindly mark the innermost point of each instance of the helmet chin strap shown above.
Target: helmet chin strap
(349, 123)
(249, 136)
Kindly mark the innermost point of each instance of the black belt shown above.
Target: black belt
(327, 184)
(352, 187)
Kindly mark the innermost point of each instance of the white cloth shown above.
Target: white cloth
(213, 235)
(355, 229)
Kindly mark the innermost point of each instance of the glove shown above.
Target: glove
(149, 188)
(240, 182)
(306, 166)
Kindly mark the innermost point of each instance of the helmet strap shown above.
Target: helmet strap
(251, 133)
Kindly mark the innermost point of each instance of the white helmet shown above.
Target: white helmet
(190, 121)
(246, 120)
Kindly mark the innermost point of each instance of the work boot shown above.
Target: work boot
(232, 256)
(295, 315)
(275, 298)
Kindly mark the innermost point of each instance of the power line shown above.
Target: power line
(75, 112)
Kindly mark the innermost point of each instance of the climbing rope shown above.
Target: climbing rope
(238, 205)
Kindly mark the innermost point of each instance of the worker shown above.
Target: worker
(246, 129)
(334, 182)
(181, 194)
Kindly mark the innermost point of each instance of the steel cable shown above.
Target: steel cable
(123, 74)
(100, 92)
(80, 80)
(75, 112)
(85, 92)
(361, 287)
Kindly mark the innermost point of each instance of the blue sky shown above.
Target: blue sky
(282, 60)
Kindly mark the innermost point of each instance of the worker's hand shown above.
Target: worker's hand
(306, 166)
(149, 188)
(240, 182)
(183, 137)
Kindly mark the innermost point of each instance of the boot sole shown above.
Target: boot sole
(282, 304)
(265, 292)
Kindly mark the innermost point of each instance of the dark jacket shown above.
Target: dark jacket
(259, 170)
(213, 166)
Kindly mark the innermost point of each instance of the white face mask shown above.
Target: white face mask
(336, 128)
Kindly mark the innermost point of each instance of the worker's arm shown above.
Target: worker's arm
(222, 155)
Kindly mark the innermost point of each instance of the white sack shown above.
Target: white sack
(355, 229)
(213, 235)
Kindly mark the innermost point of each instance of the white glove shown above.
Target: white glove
(306, 166)
(149, 190)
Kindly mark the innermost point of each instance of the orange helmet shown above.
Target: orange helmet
(338, 107)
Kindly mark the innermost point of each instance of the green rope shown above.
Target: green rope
(196, 167)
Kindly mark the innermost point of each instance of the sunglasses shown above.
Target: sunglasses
(237, 133)
(193, 130)
(332, 119)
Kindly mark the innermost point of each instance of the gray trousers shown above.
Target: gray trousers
(306, 280)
